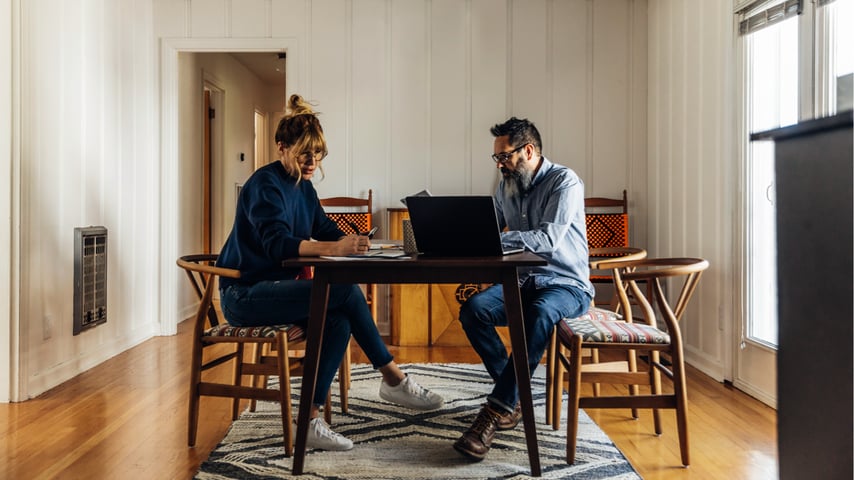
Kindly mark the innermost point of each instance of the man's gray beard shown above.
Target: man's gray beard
(518, 182)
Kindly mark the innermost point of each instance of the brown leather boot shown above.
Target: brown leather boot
(475, 443)
(508, 421)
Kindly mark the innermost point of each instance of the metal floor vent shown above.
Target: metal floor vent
(90, 277)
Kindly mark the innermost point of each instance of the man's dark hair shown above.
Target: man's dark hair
(519, 132)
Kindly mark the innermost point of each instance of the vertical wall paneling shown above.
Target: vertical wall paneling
(407, 88)
(569, 52)
(610, 94)
(9, 162)
(410, 147)
(249, 18)
(289, 18)
(330, 80)
(173, 18)
(209, 18)
(690, 172)
(369, 96)
(529, 87)
(84, 66)
(449, 87)
(637, 163)
(489, 72)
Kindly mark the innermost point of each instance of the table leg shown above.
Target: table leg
(313, 341)
(518, 343)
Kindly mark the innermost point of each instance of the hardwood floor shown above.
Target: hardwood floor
(127, 419)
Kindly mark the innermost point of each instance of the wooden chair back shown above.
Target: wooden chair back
(607, 221)
(349, 211)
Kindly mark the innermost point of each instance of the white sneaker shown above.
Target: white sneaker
(322, 437)
(410, 395)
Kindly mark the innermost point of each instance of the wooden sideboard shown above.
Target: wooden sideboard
(815, 232)
(426, 314)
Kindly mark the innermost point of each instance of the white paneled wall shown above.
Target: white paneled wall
(692, 163)
(87, 149)
(408, 90)
(8, 119)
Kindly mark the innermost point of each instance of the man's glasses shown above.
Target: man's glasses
(317, 156)
(504, 156)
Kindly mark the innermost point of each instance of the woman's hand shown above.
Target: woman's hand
(342, 247)
(352, 244)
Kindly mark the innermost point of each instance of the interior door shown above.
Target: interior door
(207, 177)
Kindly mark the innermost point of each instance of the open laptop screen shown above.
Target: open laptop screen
(456, 226)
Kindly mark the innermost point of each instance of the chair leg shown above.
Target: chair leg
(574, 398)
(633, 367)
(238, 379)
(259, 381)
(681, 393)
(371, 295)
(557, 388)
(655, 388)
(344, 380)
(285, 391)
(551, 357)
(327, 408)
(195, 379)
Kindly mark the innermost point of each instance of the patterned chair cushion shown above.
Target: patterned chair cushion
(603, 326)
(295, 332)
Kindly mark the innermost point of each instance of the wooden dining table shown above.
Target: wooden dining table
(417, 269)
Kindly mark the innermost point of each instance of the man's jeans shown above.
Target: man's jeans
(287, 302)
(542, 309)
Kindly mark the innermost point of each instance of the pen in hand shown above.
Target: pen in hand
(370, 233)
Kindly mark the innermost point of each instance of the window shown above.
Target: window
(784, 82)
(772, 101)
(835, 64)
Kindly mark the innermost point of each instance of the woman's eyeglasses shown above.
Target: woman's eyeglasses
(504, 156)
(305, 157)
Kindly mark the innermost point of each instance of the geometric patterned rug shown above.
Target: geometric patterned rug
(395, 443)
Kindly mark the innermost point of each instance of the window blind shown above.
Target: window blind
(755, 16)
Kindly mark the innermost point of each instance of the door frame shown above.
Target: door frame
(168, 276)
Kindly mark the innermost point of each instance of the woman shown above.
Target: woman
(279, 216)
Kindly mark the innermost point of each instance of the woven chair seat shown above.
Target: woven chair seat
(295, 332)
(603, 326)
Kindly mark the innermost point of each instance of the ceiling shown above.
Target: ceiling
(265, 65)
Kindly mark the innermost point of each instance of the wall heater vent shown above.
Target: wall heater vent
(90, 277)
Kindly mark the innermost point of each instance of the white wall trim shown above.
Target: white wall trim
(10, 161)
(706, 363)
(169, 146)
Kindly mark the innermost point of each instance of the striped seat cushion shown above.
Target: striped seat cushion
(603, 326)
(295, 332)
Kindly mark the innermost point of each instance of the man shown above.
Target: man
(542, 205)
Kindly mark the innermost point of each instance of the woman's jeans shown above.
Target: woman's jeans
(542, 308)
(284, 302)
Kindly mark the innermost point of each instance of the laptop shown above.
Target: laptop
(456, 226)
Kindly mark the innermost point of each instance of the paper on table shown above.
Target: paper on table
(383, 246)
(371, 254)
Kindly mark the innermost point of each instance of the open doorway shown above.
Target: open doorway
(232, 151)
(241, 91)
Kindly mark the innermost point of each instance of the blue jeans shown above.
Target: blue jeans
(287, 302)
(542, 309)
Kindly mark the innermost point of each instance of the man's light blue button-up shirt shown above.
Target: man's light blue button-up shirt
(549, 220)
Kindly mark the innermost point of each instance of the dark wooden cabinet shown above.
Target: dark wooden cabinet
(426, 314)
(816, 309)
